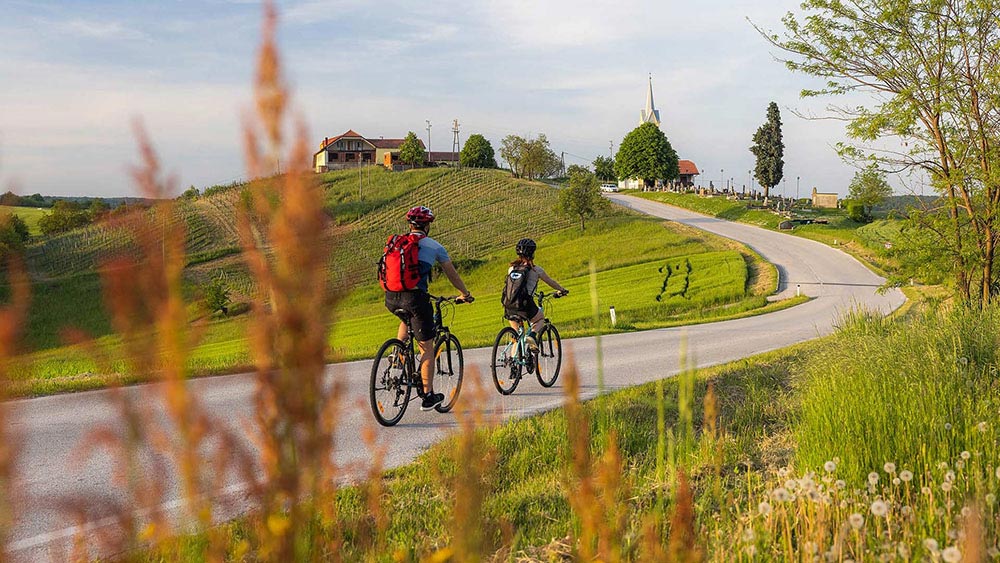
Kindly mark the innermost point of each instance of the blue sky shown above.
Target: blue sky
(73, 75)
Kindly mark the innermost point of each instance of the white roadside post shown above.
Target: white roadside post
(614, 318)
(798, 290)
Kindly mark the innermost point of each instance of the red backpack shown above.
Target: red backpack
(399, 268)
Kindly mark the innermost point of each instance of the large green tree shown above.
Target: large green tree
(582, 197)
(477, 153)
(931, 71)
(769, 150)
(411, 151)
(604, 168)
(529, 158)
(869, 188)
(645, 153)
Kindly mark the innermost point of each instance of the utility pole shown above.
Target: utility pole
(611, 149)
(455, 148)
(562, 162)
(428, 138)
(722, 176)
(797, 187)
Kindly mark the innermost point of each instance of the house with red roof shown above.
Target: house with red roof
(351, 149)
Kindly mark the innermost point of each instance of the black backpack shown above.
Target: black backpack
(515, 295)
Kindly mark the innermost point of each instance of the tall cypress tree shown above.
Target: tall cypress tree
(769, 150)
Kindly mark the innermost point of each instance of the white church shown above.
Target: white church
(650, 114)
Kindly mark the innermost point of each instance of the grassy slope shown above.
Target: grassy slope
(30, 215)
(476, 210)
(864, 241)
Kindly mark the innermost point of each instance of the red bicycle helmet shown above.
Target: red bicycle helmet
(420, 215)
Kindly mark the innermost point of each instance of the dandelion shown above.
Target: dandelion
(963, 361)
(856, 521)
(896, 481)
(951, 555)
(814, 496)
(841, 484)
(998, 472)
(791, 484)
(780, 494)
(783, 472)
(946, 486)
(947, 426)
(990, 498)
(931, 544)
(879, 508)
(873, 478)
(830, 467)
(965, 454)
(965, 511)
(949, 476)
(959, 465)
(889, 467)
(981, 427)
(764, 508)
(905, 510)
(906, 476)
(748, 535)
(925, 490)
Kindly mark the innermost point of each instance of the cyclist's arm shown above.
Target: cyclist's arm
(454, 278)
(548, 280)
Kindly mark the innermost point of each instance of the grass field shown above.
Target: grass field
(866, 241)
(31, 215)
(476, 209)
(777, 466)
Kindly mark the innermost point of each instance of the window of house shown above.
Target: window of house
(333, 155)
(350, 156)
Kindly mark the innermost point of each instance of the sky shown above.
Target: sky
(75, 74)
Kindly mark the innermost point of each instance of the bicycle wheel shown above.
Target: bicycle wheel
(390, 383)
(549, 356)
(505, 364)
(448, 366)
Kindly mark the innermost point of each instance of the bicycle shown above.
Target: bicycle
(509, 362)
(395, 372)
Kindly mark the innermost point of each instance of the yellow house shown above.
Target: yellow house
(828, 200)
(351, 149)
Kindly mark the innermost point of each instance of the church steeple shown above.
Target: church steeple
(650, 114)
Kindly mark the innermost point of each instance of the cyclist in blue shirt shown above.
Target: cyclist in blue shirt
(417, 303)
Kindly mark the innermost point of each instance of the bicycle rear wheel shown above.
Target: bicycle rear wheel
(549, 356)
(448, 370)
(506, 365)
(390, 383)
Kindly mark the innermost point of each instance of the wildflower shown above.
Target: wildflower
(879, 508)
(990, 498)
(965, 454)
(951, 555)
(790, 484)
(856, 520)
(906, 476)
(931, 544)
(841, 484)
(830, 467)
(889, 467)
(905, 510)
(965, 511)
(783, 472)
(764, 508)
(946, 486)
(925, 490)
(981, 427)
(873, 478)
(959, 465)
(780, 494)
(896, 481)
(814, 496)
(748, 535)
(949, 476)
(947, 426)
(963, 361)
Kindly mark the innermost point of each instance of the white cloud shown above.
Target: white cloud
(104, 30)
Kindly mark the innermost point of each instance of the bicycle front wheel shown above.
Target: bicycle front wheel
(506, 364)
(448, 370)
(549, 356)
(390, 383)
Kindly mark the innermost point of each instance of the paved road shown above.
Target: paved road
(52, 427)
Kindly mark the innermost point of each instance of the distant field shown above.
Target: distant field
(481, 214)
(30, 215)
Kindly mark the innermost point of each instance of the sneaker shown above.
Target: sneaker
(431, 400)
(530, 341)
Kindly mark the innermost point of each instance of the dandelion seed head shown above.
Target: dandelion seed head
(906, 476)
(748, 535)
(780, 494)
(889, 467)
(841, 484)
(990, 498)
(963, 361)
(951, 555)
(946, 486)
(879, 508)
(965, 454)
(931, 545)
(873, 477)
(829, 467)
(998, 472)
(791, 484)
(896, 481)
(947, 426)
(905, 510)
(764, 508)
(949, 476)
(982, 426)
(959, 465)
(856, 521)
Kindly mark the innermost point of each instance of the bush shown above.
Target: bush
(856, 211)
(217, 296)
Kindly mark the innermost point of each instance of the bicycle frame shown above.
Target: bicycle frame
(416, 377)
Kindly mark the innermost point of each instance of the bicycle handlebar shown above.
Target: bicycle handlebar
(456, 299)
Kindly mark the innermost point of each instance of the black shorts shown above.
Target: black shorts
(527, 313)
(417, 305)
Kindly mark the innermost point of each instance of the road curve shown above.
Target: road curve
(51, 428)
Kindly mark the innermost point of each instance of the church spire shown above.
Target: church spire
(650, 114)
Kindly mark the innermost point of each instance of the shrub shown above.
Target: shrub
(217, 296)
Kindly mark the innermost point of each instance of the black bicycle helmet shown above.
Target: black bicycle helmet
(526, 248)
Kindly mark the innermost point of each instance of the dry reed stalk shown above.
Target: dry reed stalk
(12, 320)
(683, 541)
(286, 242)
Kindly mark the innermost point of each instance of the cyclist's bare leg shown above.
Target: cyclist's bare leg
(426, 363)
(515, 325)
(401, 333)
